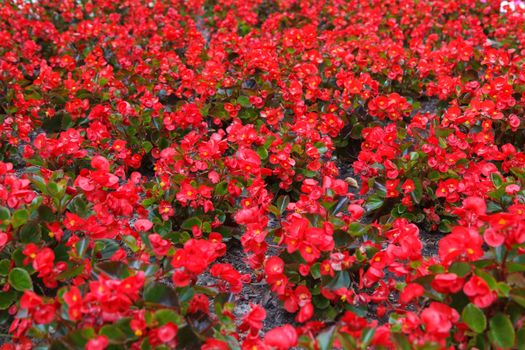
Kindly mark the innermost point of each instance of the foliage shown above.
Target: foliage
(140, 138)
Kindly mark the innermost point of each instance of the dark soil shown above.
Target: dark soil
(252, 293)
(255, 292)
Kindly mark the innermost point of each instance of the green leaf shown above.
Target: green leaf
(4, 267)
(159, 293)
(7, 299)
(113, 269)
(443, 132)
(165, 316)
(30, 233)
(402, 341)
(496, 179)
(20, 279)
(503, 289)
(417, 194)
(221, 188)
(46, 214)
(79, 206)
(82, 246)
(52, 125)
(341, 280)
(518, 296)
(320, 302)
(113, 332)
(18, 257)
(493, 207)
(315, 270)
(474, 318)
(185, 294)
(515, 267)
(20, 217)
(355, 133)
(55, 189)
(501, 331)
(521, 339)
(4, 214)
(326, 339)
(108, 248)
(321, 147)
(262, 152)
(282, 203)
(206, 227)
(190, 222)
(244, 101)
(357, 229)
(491, 281)
(374, 202)
(460, 268)
(366, 338)
(70, 273)
(131, 242)
(147, 146)
(274, 210)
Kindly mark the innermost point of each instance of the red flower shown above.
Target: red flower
(228, 273)
(475, 205)
(143, 225)
(249, 161)
(309, 252)
(160, 246)
(73, 300)
(281, 338)
(44, 262)
(352, 324)
(98, 343)
(247, 216)
(461, 243)
(305, 313)
(356, 211)
(448, 190)
(167, 332)
(202, 253)
(479, 292)
(73, 222)
(100, 163)
(438, 319)
(166, 210)
(181, 278)
(199, 302)
(187, 193)
(4, 238)
(44, 314)
(55, 231)
(408, 186)
(215, 344)
(274, 266)
(30, 300)
(493, 238)
(391, 188)
(411, 291)
(447, 283)
(253, 320)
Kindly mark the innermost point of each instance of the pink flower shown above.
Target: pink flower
(143, 225)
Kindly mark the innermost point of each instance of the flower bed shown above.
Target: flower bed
(170, 169)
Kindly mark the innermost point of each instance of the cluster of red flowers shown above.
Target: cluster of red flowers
(142, 140)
